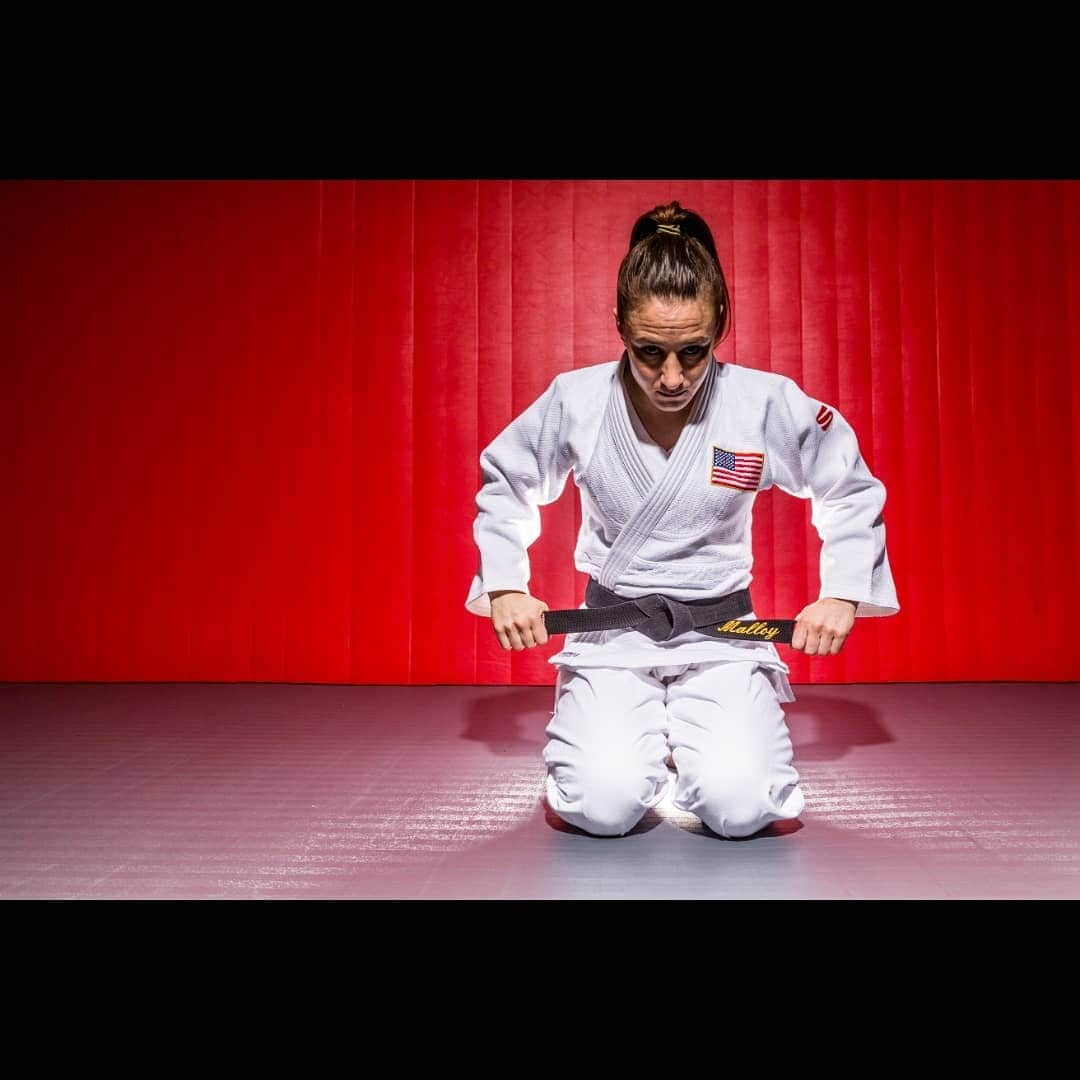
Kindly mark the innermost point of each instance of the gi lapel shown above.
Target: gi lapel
(656, 497)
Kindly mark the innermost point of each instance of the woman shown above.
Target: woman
(669, 449)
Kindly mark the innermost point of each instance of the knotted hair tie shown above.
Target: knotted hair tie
(673, 229)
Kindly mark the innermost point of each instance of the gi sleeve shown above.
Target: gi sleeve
(523, 468)
(815, 455)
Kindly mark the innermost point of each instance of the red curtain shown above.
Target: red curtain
(242, 420)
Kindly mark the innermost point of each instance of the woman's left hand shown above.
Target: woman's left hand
(821, 627)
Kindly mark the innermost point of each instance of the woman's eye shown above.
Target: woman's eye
(691, 352)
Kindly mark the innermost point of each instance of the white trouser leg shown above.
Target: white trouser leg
(607, 746)
(732, 748)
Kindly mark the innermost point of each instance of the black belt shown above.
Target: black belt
(661, 618)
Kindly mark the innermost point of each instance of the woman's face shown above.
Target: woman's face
(669, 343)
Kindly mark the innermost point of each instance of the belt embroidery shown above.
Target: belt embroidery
(758, 629)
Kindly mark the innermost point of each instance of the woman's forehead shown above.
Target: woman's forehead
(671, 315)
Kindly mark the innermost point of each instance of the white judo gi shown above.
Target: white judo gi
(676, 523)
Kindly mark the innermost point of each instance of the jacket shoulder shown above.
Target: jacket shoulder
(756, 378)
(585, 390)
(590, 375)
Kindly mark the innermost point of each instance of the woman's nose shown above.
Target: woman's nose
(671, 375)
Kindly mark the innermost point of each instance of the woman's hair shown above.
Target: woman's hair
(678, 262)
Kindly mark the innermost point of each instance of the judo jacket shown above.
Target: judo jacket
(679, 523)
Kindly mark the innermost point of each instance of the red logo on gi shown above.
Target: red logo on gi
(737, 468)
(824, 417)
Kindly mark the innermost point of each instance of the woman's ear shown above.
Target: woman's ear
(719, 329)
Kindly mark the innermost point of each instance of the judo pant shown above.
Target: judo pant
(612, 729)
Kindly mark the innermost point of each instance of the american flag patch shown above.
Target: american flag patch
(824, 417)
(737, 468)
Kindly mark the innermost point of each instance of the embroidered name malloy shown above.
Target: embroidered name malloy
(824, 417)
(737, 468)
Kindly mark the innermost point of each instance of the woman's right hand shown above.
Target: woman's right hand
(517, 619)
